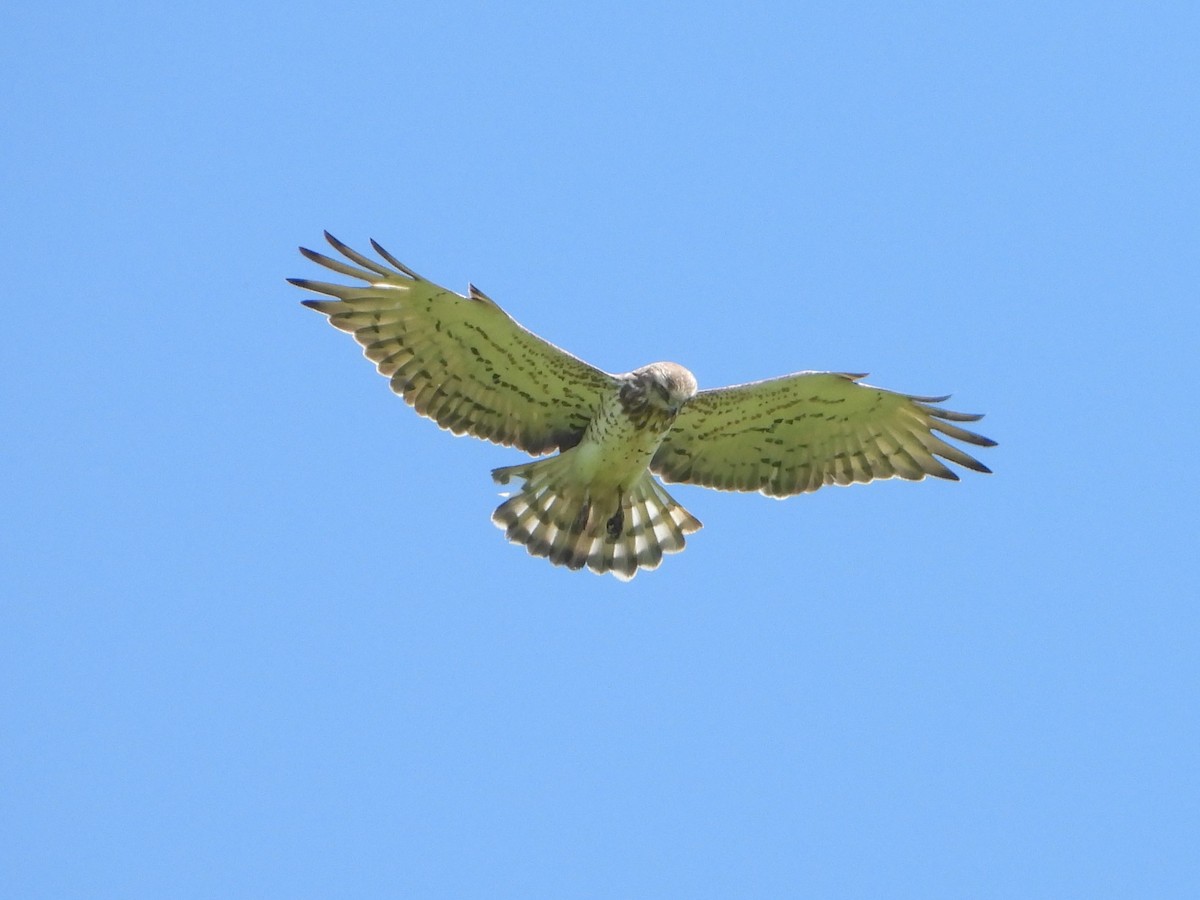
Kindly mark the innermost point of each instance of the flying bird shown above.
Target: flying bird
(465, 363)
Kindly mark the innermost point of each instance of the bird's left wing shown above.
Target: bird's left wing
(461, 361)
(797, 433)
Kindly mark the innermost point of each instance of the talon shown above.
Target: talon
(616, 524)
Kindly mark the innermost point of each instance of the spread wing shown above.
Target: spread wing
(461, 361)
(797, 433)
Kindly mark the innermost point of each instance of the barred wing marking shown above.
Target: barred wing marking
(797, 433)
(461, 361)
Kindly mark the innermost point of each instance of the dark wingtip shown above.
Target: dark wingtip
(395, 262)
(299, 282)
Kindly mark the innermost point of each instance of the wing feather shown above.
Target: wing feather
(800, 432)
(461, 361)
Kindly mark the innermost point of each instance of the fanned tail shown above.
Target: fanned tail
(617, 532)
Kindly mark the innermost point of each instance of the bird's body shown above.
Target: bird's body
(465, 363)
(596, 503)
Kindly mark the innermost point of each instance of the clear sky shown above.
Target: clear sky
(258, 637)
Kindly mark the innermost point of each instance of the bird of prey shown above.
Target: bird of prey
(465, 363)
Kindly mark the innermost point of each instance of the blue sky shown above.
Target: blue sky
(257, 634)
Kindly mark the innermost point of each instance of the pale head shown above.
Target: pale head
(664, 386)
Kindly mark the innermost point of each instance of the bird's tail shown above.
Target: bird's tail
(569, 524)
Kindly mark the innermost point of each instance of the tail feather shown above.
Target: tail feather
(572, 526)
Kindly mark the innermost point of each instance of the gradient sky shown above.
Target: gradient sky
(258, 637)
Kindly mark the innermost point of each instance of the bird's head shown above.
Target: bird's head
(664, 386)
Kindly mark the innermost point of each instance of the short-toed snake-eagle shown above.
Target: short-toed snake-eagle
(465, 363)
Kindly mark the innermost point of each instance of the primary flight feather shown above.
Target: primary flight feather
(465, 363)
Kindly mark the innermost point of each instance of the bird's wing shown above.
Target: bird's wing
(461, 361)
(797, 433)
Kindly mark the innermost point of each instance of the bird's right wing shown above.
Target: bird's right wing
(461, 361)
